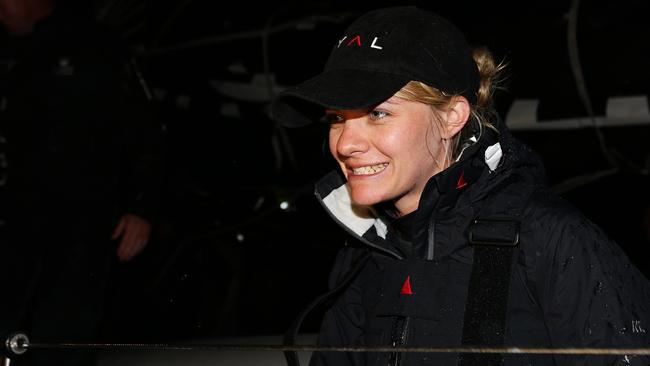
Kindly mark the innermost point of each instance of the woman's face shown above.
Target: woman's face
(387, 153)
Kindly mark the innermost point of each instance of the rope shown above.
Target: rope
(306, 348)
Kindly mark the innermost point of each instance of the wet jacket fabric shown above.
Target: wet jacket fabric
(569, 286)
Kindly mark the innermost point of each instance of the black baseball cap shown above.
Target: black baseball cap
(377, 55)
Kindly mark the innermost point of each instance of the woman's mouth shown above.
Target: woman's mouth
(369, 169)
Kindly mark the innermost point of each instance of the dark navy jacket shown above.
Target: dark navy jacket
(570, 285)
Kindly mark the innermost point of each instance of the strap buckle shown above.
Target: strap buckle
(497, 232)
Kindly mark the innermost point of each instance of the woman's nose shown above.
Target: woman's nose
(352, 139)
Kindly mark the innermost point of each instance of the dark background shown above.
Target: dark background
(225, 259)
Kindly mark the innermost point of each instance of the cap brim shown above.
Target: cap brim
(334, 89)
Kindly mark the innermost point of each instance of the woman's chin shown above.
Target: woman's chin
(365, 197)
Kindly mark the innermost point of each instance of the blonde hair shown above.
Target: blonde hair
(489, 74)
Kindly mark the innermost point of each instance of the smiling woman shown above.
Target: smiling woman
(455, 239)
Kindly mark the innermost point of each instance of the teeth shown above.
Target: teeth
(371, 169)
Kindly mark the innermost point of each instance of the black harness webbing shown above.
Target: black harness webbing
(494, 234)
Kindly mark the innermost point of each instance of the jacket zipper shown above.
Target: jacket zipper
(431, 239)
(399, 339)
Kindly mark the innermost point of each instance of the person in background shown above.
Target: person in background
(82, 161)
(455, 239)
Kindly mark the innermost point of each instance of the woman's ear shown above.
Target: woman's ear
(456, 116)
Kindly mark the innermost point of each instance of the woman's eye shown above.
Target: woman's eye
(377, 114)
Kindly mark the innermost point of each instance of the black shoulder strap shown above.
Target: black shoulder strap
(494, 234)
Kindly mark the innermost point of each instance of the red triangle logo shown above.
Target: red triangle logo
(406, 287)
(356, 39)
(461, 181)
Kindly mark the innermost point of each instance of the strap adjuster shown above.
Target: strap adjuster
(499, 232)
